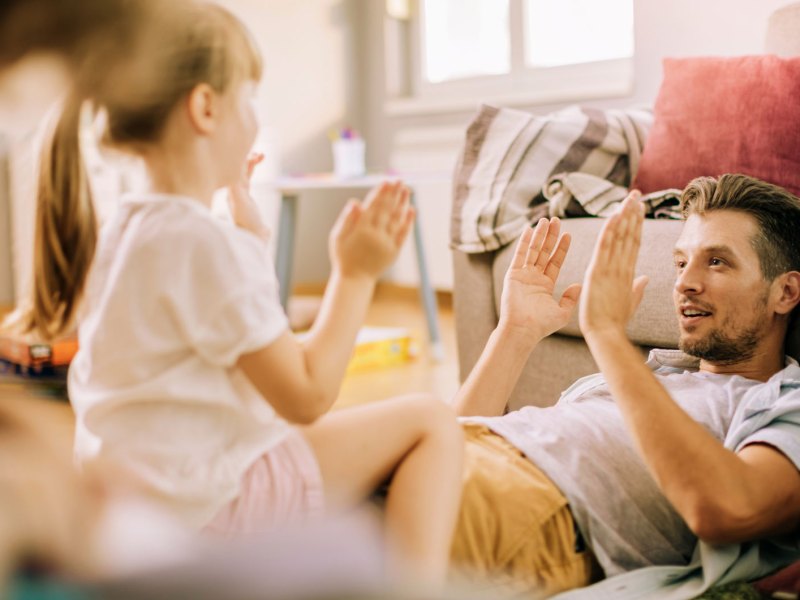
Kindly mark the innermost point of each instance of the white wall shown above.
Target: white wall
(662, 29)
(689, 28)
(310, 86)
(324, 69)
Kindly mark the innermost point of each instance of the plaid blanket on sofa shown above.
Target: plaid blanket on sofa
(516, 167)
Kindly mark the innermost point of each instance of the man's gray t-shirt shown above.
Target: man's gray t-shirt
(583, 445)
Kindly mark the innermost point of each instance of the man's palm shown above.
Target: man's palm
(527, 302)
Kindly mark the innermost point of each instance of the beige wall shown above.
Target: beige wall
(324, 69)
(310, 86)
(662, 29)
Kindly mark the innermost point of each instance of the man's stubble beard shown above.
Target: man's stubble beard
(719, 349)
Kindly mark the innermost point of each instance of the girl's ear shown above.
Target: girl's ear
(203, 108)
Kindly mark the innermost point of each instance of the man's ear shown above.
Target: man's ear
(203, 108)
(789, 289)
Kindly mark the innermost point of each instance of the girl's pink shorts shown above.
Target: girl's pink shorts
(283, 486)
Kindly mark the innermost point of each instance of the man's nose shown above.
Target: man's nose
(689, 281)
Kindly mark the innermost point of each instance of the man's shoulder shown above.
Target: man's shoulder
(771, 409)
(790, 375)
(784, 386)
(787, 385)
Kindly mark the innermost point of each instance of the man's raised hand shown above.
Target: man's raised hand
(527, 305)
(611, 295)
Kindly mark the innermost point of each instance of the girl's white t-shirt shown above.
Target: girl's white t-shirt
(174, 297)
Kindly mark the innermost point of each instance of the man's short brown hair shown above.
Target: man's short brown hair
(777, 212)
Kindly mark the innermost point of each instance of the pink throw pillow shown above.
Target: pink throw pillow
(725, 115)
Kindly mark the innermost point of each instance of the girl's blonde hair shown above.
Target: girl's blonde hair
(197, 43)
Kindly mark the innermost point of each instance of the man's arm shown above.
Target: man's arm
(528, 313)
(722, 496)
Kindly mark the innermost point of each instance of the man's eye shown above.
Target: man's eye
(680, 264)
(715, 262)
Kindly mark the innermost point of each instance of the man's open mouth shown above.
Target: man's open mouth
(691, 315)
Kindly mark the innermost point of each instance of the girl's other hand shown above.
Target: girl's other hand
(242, 206)
(367, 237)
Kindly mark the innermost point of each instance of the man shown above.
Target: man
(645, 460)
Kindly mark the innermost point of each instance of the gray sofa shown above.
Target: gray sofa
(564, 357)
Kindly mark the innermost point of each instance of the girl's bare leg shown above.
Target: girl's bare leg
(415, 440)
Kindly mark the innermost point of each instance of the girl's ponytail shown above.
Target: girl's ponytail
(202, 43)
(66, 231)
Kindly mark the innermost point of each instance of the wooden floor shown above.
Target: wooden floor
(422, 375)
(391, 308)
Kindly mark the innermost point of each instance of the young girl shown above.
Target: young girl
(187, 374)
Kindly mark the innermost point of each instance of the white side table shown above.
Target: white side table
(290, 189)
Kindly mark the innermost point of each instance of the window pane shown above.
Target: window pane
(465, 38)
(564, 32)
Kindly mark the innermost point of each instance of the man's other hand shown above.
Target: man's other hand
(611, 295)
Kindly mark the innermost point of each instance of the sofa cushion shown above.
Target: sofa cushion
(655, 323)
(725, 115)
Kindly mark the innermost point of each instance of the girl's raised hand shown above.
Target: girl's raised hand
(367, 237)
(242, 206)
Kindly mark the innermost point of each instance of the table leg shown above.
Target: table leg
(426, 290)
(284, 254)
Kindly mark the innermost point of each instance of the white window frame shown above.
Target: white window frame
(408, 93)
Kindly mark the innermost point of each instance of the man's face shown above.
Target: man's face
(720, 294)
